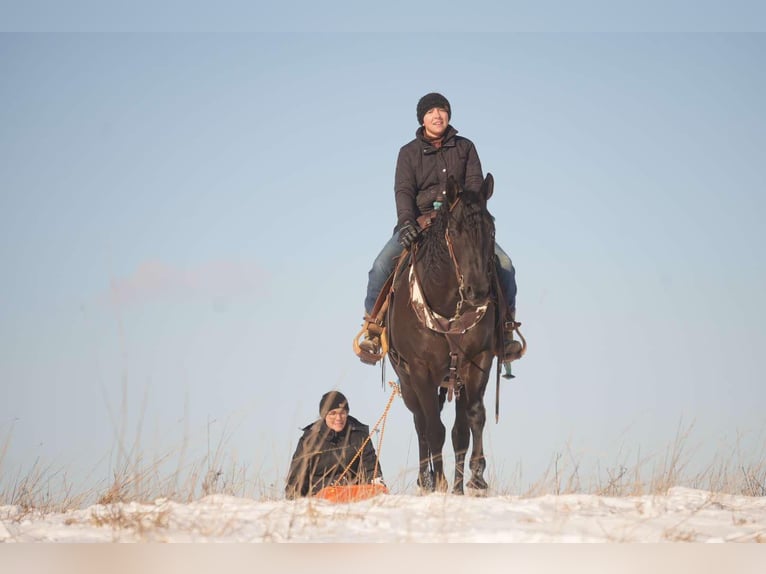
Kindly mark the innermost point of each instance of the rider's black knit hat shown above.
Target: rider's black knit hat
(432, 100)
(331, 401)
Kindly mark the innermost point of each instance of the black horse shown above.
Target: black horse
(442, 332)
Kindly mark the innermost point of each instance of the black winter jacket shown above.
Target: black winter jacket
(422, 171)
(322, 455)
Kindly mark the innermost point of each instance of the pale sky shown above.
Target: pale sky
(187, 222)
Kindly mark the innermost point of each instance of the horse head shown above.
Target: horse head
(470, 237)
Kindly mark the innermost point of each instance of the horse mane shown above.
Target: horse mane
(434, 253)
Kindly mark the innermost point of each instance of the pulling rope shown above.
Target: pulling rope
(395, 391)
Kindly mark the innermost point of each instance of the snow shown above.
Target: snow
(681, 515)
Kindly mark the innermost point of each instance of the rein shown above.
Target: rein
(456, 266)
(459, 323)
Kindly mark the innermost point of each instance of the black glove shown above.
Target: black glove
(408, 233)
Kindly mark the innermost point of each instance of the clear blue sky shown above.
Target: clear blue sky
(187, 222)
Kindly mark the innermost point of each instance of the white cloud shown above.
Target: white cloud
(156, 280)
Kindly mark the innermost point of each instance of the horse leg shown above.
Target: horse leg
(425, 471)
(436, 435)
(477, 417)
(460, 440)
(431, 434)
(430, 402)
(412, 402)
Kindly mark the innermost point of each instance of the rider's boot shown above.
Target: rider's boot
(512, 349)
(370, 344)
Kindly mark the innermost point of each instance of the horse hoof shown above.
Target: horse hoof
(477, 492)
(477, 484)
(426, 483)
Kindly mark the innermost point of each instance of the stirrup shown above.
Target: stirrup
(512, 350)
(372, 348)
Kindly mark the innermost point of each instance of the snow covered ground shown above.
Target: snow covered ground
(683, 515)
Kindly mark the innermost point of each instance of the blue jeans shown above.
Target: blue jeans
(506, 273)
(385, 262)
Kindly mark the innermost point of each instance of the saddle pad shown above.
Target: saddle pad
(351, 492)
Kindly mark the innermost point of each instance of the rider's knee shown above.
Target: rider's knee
(380, 268)
(503, 259)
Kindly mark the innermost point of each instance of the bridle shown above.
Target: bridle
(456, 265)
(462, 320)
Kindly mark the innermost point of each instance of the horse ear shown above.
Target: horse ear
(488, 187)
(453, 189)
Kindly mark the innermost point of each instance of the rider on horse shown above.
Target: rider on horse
(422, 169)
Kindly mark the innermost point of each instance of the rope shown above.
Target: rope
(382, 419)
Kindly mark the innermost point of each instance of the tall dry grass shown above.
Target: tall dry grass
(182, 474)
(730, 471)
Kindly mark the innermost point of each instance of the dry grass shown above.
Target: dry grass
(170, 476)
(41, 489)
(144, 524)
(177, 474)
(734, 472)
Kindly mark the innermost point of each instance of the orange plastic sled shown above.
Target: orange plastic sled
(351, 492)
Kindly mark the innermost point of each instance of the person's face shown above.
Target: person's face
(435, 122)
(336, 419)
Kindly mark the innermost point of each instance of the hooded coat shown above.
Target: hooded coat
(322, 455)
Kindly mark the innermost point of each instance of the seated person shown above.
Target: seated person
(327, 447)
